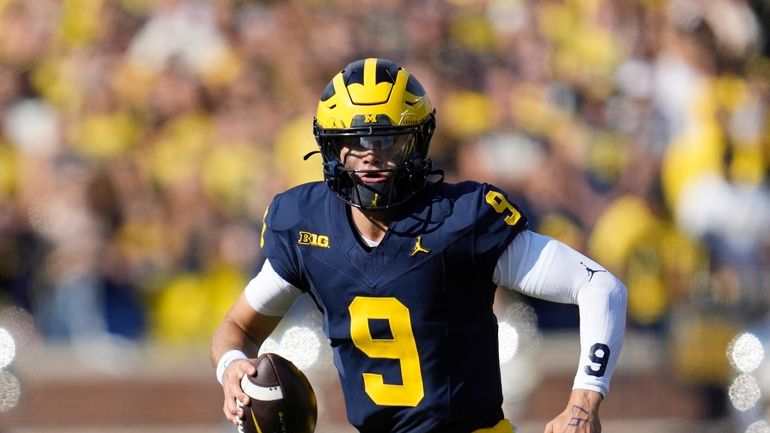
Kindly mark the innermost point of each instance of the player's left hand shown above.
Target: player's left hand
(580, 416)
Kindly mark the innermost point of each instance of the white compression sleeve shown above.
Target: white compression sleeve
(545, 268)
(269, 294)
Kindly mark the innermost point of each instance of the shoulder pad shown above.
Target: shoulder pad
(455, 206)
(292, 206)
(460, 199)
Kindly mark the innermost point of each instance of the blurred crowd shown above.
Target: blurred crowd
(140, 142)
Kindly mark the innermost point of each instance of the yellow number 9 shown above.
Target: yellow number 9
(401, 347)
(501, 204)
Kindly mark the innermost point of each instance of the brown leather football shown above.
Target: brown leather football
(282, 399)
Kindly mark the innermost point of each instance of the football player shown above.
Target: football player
(404, 268)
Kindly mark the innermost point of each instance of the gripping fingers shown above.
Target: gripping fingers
(232, 409)
(234, 395)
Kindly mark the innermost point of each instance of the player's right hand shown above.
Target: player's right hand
(231, 386)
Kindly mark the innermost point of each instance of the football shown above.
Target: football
(282, 399)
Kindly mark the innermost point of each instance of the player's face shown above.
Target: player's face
(370, 154)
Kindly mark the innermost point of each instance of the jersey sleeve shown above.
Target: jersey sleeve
(277, 245)
(498, 221)
(545, 268)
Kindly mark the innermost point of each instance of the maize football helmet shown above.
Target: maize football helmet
(375, 104)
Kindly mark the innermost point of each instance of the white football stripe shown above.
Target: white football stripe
(261, 393)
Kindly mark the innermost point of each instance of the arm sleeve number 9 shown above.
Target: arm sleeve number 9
(401, 347)
(598, 354)
(501, 204)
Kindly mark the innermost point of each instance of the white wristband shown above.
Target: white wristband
(225, 360)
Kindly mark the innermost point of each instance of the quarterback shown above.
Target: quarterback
(404, 268)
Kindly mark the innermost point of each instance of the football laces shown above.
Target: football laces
(239, 420)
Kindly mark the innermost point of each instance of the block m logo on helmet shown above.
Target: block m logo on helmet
(370, 119)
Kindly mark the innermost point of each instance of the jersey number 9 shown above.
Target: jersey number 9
(401, 347)
(501, 204)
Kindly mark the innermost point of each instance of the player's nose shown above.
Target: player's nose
(372, 158)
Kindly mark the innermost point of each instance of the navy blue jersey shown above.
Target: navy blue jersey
(410, 322)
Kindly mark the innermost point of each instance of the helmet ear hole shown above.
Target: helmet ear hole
(331, 168)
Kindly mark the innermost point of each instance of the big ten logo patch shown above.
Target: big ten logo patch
(307, 238)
